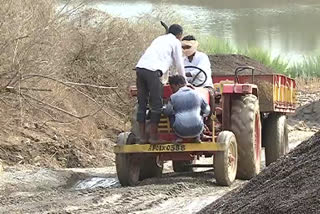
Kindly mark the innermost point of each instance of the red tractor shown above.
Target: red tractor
(248, 112)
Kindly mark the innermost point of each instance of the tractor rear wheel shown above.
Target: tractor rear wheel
(245, 124)
(150, 168)
(182, 166)
(225, 162)
(275, 137)
(127, 165)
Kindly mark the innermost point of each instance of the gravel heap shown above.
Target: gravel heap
(290, 185)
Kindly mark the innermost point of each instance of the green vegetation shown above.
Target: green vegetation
(309, 68)
(212, 45)
(264, 57)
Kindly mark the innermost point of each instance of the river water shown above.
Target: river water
(284, 27)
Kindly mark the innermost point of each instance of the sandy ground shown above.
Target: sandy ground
(29, 189)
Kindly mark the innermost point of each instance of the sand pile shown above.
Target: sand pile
(290, 185)
(223, 64)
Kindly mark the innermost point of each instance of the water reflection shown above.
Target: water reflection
(95, 182)
(123, 9)
(282, 26)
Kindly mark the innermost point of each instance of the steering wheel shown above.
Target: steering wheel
(195, 77)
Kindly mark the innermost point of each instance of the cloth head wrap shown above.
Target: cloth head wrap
(193, 44)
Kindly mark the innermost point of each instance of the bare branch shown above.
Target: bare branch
(66, 83)
(70, 86)
(47, 113)
(90, 85)
(62, 110)
(12, 79)
(36, 89)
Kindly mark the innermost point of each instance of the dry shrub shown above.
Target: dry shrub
(68, 70)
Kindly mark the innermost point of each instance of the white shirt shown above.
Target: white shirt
(200, 60)
(162, 53)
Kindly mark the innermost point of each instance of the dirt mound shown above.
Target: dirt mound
(290, 185)
(51, 146)
(307, 115)
(223, 64)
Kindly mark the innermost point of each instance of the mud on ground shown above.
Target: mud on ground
(57, 191)
(30, 189)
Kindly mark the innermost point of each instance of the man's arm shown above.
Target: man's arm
(168, 109)
(205, 108)
(178, 59)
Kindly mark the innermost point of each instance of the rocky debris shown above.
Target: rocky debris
(290, 185)
(307, 117)
(305, 97)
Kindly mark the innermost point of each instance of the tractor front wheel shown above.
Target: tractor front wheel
(127, 165)
(225, 162)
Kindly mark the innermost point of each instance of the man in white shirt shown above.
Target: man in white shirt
(163, 52)
(195, 76)
(197, 59)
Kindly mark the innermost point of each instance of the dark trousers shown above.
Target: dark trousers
(150, 89)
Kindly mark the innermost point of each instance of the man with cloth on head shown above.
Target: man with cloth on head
(195, 76)
(197, 59)
(186, 109)
(163, 52)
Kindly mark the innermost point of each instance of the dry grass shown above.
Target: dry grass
(310, 85)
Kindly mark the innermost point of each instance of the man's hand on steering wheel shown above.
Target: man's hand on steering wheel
(188, 74)
(195, 77)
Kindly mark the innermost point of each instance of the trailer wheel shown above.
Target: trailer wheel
(225, 162)
(245, 124)
(182, 166)
(150, 168)
(127, 165)
(275, 137)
